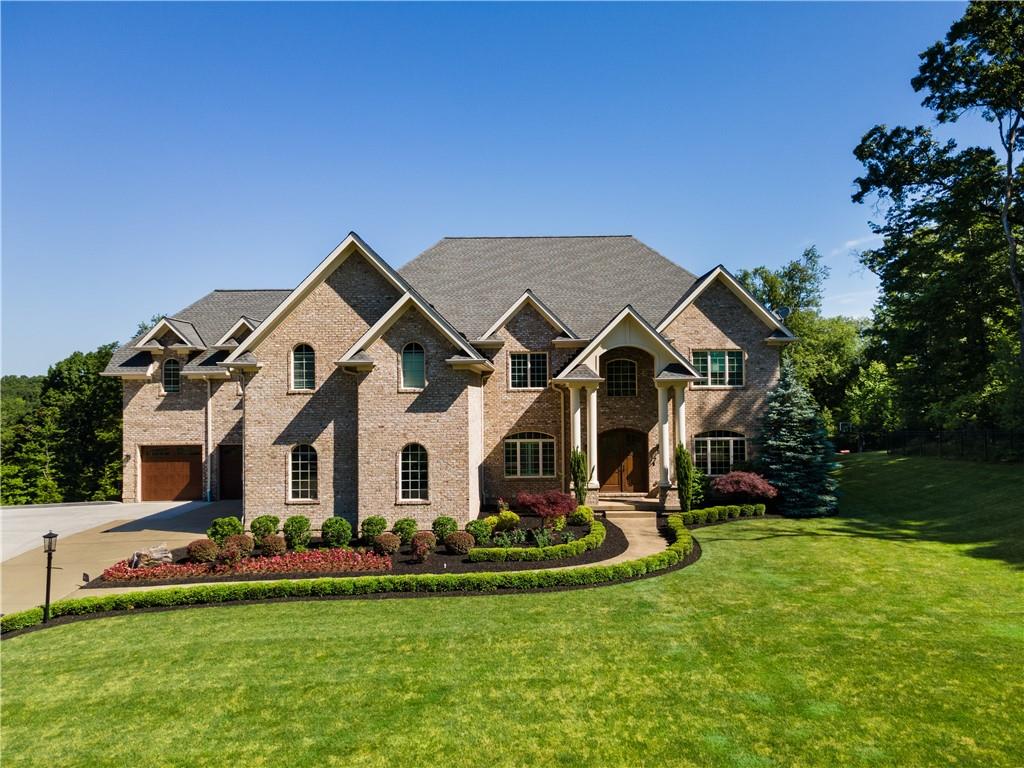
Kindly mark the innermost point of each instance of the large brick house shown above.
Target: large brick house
(466, 376)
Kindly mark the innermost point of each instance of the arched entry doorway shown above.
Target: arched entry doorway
(622, 461)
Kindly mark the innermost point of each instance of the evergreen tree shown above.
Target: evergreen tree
(684, 477)
(796, 455)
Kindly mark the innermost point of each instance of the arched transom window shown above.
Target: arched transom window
(529, 454)
(414, 371)
(303, 367)
(172, 375)
(414, 481)
(620, 376)
(303, 473)
(717, 451)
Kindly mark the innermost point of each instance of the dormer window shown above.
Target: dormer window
(171, 376)
(414, 371)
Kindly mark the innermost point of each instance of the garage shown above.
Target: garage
(172, 472)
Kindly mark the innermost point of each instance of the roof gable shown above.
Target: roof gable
(530, 299)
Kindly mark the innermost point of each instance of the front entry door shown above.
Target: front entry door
(622, 461)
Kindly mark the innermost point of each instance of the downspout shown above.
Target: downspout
(209, 443)
(561, 439)
(241, 383)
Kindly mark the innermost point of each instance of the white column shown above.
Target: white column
(574, 420)
(592, 433)
(664, 448)
(680, 398)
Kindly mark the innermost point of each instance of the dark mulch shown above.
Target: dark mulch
(441, 561)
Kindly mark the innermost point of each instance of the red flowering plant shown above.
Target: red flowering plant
(310, 561)
(547, 506)
(743, 487)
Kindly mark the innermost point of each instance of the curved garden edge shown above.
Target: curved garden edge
(682, 551)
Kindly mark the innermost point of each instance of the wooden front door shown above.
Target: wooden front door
(172, 472)
(622, 461)
(230, 471)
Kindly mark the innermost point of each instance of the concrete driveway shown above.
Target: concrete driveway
(92, 537)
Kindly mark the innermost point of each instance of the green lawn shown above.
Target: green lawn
(891, 635)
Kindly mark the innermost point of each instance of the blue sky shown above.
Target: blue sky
(153, 152)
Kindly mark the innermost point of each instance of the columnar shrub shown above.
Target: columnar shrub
(203, 550)
(444, 525)
(423, 544)
(480, 531)
(222, 527)
(336, 532)
(386, 543)
(273, 545)
(296, 532)
(581, 515)
(243, 541)
(684, 478)
(405, 528)
(580, 474)
(459, 542)
(372, 527)
(264, 525)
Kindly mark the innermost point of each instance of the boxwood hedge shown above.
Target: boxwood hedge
(592, 540)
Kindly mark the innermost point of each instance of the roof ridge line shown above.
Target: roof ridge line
(526, 237)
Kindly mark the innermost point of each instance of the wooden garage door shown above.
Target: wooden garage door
(172, 472)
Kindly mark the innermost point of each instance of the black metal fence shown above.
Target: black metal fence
(996, 445)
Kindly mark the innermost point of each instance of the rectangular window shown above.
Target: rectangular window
(717, 452)
(528, 370)
(719, 368)
(529, 454)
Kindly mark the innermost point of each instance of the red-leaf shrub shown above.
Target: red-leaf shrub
(203, 550)
(273, 545)
(743, 486)
(310, 561)
(459, 542)
(243, 541)
(230, 554)
(423, 544)
(547, 506)
(387, 543)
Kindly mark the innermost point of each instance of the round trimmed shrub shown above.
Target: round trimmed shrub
(386, 543)
(405, 528)
(203, 550)
(263, 526)
(423, 544)
(581, 515)
(444, 525)
(492, 521)
(336, 532)
(273, 545)
(372, 527)
(243, 541)
(230, 553)
(480, 531)
(222, 527)
(459, 542)
(507, 520)
(296, 532)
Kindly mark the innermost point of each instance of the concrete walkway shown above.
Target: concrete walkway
(83, 555)
(642, 535)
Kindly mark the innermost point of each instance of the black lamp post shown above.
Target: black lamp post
(49, 547)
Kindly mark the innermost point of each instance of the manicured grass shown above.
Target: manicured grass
(891, 635)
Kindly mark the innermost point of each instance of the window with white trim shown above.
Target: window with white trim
(414, 372)
(717, 451)
(529, 454)
(413, 485)
(719, 367)
(620, 378)
(528, 370)
(171, 376)
(302, 484)
(303, 368)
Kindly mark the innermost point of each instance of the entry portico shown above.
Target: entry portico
(671, 374)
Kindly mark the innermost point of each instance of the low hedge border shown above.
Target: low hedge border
(682, 544)
(592, 540)
(726, 512)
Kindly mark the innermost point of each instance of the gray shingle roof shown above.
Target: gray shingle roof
(583, 373)
(205, 322)
(584, 280)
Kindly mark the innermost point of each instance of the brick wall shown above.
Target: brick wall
(638, 413)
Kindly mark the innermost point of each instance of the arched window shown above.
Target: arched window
(413, 482)
(529, 454)
(303, 367)
(414, 373)
(172, 375)
(303, 473)
(717, 451)
(620, 378)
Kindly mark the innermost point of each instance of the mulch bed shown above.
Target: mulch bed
(615, 543)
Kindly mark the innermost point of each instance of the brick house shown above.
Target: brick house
(464, 377)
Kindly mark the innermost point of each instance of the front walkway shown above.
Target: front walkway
(83, 555)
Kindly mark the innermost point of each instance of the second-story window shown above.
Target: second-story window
(621, 378)
(303, 367)
(528, 370)
(172, 376)
(719, 367)
(414, 372)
